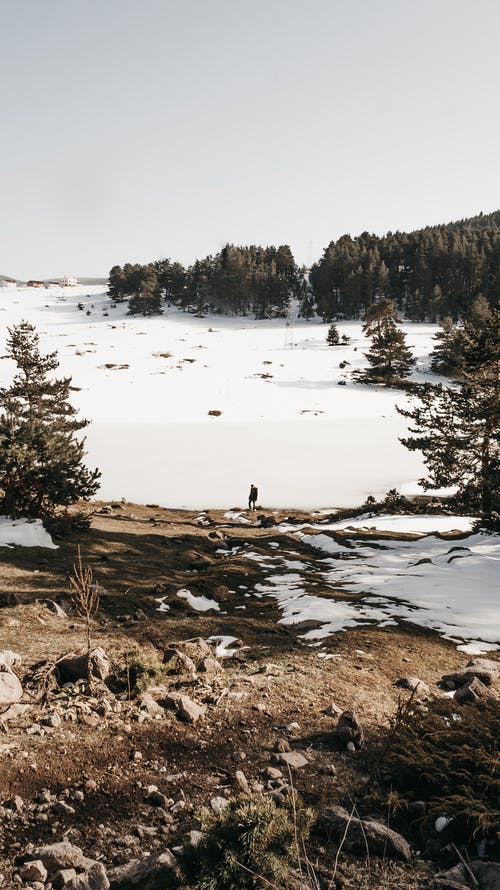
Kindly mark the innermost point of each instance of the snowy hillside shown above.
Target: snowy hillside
(286, 424)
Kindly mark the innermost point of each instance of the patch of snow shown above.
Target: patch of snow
(449, 586)
(198, 603)
(236, 517)
(222, 649)
(407, 523)
(24, 533)
(476, 647)
(163, 607)
(294, 564)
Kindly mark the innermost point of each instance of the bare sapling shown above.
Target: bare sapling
(85, 596)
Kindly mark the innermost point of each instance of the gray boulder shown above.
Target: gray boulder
(485, 669)
(293, 759)
(471, 692)
(94, 878)
(34, 871)
(62, 855)
(154, 872)
(11, 690)
(74, 667)
(189, 710)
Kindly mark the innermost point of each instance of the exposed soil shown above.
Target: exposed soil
(275, 686)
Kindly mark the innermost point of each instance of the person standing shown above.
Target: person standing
(252, 497)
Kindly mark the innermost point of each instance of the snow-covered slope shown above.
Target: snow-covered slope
(148, 385)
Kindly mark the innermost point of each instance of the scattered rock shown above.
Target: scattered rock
(54, 607)
(73, 667)
(148, 704)
(9, 660)
(222, 593)
(238, 756)
(62, 878)
(471, 692)
(189, 710)
(241, 781)
(10, 687)
(14, 711)
(15, 803)
(157, 799)
(293, 759)
(210, 666)
(93, 878)
(487, 875)
(219, 803)
(332, 710)
(52, 720)
(485, 669)
(34, 871)
(272, 772)
(62, 855)
(150, 873)
(182, 664)
(349, 729)
(357, 834)
(413, 684)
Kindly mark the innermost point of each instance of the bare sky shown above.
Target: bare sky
(138, 129)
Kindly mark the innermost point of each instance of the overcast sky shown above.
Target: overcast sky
(137, 129)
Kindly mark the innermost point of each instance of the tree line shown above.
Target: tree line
(430, 273)
(237, 280)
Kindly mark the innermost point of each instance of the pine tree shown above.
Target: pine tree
(446, 357)
(40, 457)
(457, 428)
(333, 336)
(146, 297)
(376, 315)
(389, 355)
(116, 289)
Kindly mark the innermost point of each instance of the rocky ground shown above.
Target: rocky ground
(103, 786)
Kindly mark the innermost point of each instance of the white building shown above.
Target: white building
(69, 281)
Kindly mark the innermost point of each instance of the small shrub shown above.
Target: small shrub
(248, 846)
(137, 671)
(393, 499)
(333, 336)
(215, 413)
(449, 760)
(487, 524)
(85, 597)
(64, 524)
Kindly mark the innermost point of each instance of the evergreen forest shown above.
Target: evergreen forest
(428, 274)
(431, 273)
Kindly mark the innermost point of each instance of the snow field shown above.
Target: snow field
(148, 384)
